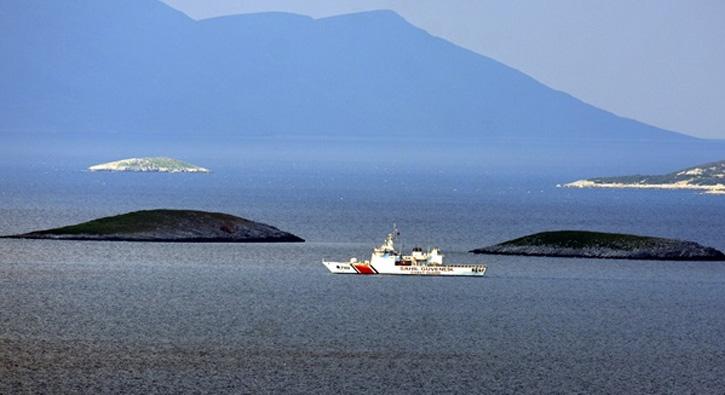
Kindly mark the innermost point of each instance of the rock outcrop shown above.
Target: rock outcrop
(709, 177)
(583, 244)
(168, 226)
(155, 164)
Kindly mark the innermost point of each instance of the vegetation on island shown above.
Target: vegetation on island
(168, 225)
(586, 244)
(583, 239)
(137, 221)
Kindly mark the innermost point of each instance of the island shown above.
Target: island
(585, 244)
(709, 178)
(153, 164)
(168, 226)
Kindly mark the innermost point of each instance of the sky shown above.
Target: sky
(661, 62)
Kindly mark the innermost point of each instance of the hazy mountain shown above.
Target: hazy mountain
(97, 68)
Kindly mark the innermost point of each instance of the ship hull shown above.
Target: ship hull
(409, 270)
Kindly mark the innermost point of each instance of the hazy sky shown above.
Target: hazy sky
(658, 61)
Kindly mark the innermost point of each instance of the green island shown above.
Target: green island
(164, 225)
(586, 244)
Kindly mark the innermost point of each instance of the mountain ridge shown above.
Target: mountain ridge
(150, 73)
(411, 60)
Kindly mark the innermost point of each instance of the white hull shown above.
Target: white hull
(385, 259)
(418, 270)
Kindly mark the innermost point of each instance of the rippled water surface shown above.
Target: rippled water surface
(116, 316)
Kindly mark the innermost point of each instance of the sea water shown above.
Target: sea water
(119, 316)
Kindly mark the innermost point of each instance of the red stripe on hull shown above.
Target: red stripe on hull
(363, 268)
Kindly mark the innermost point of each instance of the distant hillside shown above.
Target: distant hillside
(709, 177)
(101, 69)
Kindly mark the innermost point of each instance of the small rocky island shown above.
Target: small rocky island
(709, 178)
(583, 244)
(155, 164)
(168, 226)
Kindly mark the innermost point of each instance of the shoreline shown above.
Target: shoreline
(581, 184)
(574, 256)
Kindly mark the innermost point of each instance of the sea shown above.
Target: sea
(266, 318)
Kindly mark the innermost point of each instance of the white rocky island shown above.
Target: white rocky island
(153, 164)
(709, 178)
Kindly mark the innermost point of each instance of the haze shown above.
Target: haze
(659, 62)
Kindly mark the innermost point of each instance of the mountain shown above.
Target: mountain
(139, 72)
(709, 177)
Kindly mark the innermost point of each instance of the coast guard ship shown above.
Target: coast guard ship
(386, 259)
